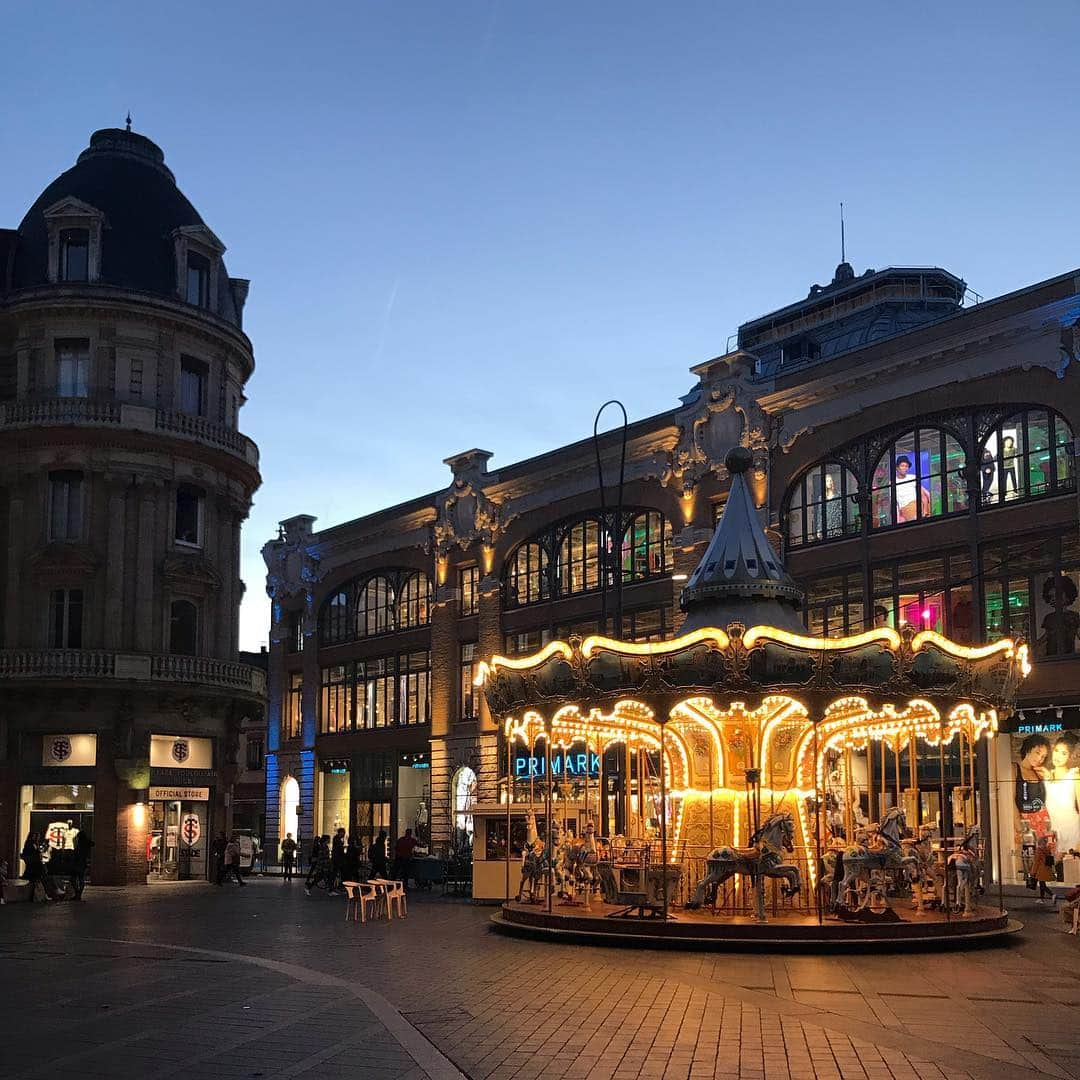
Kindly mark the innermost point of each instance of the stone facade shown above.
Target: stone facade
(124, 481)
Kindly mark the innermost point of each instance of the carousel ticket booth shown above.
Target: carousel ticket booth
(745, 781)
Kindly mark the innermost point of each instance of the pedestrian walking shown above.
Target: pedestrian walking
(35, 867)
(354, 854)
(1043, 870)
(337, 860)
(377, 856)
(80, 862)
(403, 853)
(232, 863)
(3, 879)
(288, 856)
(217, 849)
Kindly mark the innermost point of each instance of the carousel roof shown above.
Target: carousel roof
(742, 637)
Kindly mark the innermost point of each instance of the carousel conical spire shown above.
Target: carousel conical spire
(740, 578)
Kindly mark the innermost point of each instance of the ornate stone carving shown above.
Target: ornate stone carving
(723, 413)
(292, 568)
(59, 564)
(465, 513)
(191, 574)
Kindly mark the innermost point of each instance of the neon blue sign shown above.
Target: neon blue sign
(576, 764)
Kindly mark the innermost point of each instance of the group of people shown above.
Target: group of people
(37, 854)
(226, 854)
(337, 859)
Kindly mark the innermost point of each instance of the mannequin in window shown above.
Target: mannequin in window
(1008, 466)
(910, 496)
(987, 469)
(1062, 624)
(834, 514)
(881, 617)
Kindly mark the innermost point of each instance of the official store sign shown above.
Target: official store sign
(179, 794)
(69, 750)
(180, 752)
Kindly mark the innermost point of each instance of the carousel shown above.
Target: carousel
(744, 782)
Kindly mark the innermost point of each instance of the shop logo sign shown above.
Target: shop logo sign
(60, 748)
(190, 829)
(181, 751)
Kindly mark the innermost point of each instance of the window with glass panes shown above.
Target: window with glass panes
(198, 279)
(834, 605)
(646, 547)
(375, 608)
(579, 557)
(414, 603)
(294, 643)
(414, 676)
(1027, 454)
(1030, 588)
(823, 505)
(527, 576)
(920, 476)
(65, 506)
(293, 706)
(469, 589)
(378, 677)
(651, 624)
(74, 262)
(525, 642)
(65, 618)
(928, 593)
(193, 383)
(337, 699)
(334, 619)
(183, 628)
(254, 753)
(468, 694)
(72, 367)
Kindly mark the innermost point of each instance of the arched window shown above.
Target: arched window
(414, 603)
(1026, 455)
(374, 607)
(527, 575)
(183, 628)
(289, 801)
(646, 547)
(920, 475)
(463, 797)
(334, 620)
(579, 557)
(823, 504)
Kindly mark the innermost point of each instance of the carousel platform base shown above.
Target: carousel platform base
(606, 925)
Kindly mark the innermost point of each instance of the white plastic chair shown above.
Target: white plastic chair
(395, 898)
(359, 896)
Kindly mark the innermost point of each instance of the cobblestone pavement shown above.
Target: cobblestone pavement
(196, 982)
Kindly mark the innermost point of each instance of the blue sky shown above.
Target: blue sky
(468, 224)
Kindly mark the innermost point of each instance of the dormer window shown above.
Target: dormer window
(198, 280)
(74, 264)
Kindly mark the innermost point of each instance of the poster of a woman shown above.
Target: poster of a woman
(1031, 773)
(1062, 793)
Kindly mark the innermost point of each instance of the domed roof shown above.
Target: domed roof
(123, 175)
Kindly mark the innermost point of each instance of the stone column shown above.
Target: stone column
(146, 640)
(113, 608)
(13, 585)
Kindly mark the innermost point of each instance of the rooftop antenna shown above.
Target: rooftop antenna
(127, 126)
(843, 251)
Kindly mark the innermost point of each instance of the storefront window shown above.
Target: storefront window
(927, 594)
(1026, 455)
(373, 790)
(57, 812)
(463, 796)
(334, 800)
(823, 505)
(920, 476)
(290, 808)
(414, 797)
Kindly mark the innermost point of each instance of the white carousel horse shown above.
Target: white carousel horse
(966, 864)
(534, 860)
(866, 862)
(930, 876)
(764, 858)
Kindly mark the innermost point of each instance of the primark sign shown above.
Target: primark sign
(571, 764)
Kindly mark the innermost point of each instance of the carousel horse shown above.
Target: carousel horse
(575, 865)
(763, 858)
(534, 860)
(965, 863)
(870, 856)
(930, 875)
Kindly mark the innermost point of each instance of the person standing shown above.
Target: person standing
(337, 860)
(288, 856)
(35, 867)
(377, 856)
(1043, 870)
(80, 862)
(232, 863)
(218, 851)
(403, 853)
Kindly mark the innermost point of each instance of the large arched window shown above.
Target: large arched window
(823, 504)
(579, 557)
(289, 809)
(414, 602)
(1026, 455)
(527, 575)
(374, 607)
(920, 475)
(334, 619)
(646, 547)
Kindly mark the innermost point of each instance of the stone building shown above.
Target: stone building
(124, 480)
(913, 458)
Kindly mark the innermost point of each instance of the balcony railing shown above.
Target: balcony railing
(84, 412)
(141, 667)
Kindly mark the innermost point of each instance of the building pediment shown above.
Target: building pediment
(63, 563)
(70, 208)
(200, 234)
(191, 574)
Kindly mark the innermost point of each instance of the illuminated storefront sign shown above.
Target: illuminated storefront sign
(576, 764)
(68, 750)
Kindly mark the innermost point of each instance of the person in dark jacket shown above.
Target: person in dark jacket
(288, 856)
(354, 853)
(337, 860)
(217, 849)
(377, 856)
(80, 862)
(35, 867)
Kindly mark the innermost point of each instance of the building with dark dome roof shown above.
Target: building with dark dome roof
(124, 480)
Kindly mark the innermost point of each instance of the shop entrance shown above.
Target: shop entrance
(178, 840)
(58, 812)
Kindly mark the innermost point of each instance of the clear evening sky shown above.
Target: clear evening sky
(469, 224)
